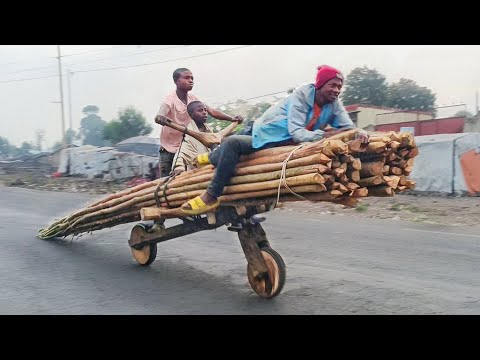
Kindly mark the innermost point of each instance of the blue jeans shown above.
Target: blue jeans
(225, 157)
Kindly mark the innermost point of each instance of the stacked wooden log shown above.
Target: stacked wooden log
(338, 169)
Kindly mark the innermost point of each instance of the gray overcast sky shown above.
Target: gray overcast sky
(452, 72)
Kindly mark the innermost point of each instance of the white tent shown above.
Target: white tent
(438, 168)
(92, 161)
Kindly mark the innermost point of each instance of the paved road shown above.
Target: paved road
(335, 265)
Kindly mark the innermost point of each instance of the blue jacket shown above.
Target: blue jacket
(287, 119)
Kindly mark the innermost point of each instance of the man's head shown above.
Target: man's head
(329, 82)
(183, 78)
(197, 111)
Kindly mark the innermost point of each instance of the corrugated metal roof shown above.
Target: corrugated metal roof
(140, 140)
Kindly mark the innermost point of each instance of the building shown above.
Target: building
(378, 118)
(364, 115)
(452, 125)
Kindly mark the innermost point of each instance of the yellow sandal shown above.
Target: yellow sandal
(198, 206)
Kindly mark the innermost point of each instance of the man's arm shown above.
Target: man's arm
(342, 122)
(217, 114)
(222, 133)
(341, 119)
(207, 139)
(163, 111)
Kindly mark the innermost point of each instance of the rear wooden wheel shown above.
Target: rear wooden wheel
(146, 255)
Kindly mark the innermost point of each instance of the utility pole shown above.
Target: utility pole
(61, 95)
(69, 74)
(476, 103)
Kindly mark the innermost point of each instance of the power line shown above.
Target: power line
(89, 61)
(34, 78)
(255, 97)
(164, 61)
(90, 51)
(9, 63)
(128, 55)
(127, 66)
(50, 66)
(31, 69)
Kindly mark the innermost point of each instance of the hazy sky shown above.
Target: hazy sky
(452, 72)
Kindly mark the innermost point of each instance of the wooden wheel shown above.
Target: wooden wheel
(272, 285)
(146, 255)
(143, 254)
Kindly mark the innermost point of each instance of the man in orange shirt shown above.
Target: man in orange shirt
(174, 107)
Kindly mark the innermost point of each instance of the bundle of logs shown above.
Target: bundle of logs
(338, 169)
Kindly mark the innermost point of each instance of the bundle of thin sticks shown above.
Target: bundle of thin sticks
(338, 169)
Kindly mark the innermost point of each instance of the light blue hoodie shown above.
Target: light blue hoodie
(287, 119)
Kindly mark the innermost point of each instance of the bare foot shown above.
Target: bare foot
(206, 198)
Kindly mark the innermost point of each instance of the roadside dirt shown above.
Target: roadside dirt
(446, 210)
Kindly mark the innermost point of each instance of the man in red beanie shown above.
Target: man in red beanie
(301, 117)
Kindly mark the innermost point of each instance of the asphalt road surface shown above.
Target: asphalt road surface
(335, 265)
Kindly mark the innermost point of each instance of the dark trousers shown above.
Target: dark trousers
(225, 157)
(166, 160)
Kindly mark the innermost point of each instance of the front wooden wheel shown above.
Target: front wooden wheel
(143, 254)
(272, 284)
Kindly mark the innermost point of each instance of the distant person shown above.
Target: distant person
(174, 107)
(152, 172)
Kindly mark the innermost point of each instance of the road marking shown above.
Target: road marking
(443, 233)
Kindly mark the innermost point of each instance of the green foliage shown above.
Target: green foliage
(361, 207)
(130, 122)
(407, 95)
(365, 86)
(252, 112)
(368, 86)
(257, 110)
(91, 127)
(464, 113)
(5, 147)
(10, 150)
(91, 109)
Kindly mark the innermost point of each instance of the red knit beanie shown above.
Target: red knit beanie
(325, 74)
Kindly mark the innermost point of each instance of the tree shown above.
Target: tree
(130, 122)
(218, 125)
(57, 146)
(91, 109)
(5, 147)
(252, 112)
(70, 135)
(365, 86)
(25, 148)
(407, 95)
(91, 126)
(463, 113)
(257, 110)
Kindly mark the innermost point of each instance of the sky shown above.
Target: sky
(115, 76)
